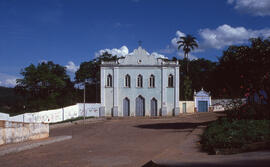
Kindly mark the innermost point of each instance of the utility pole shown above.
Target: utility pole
(84, 103)
(96, 93)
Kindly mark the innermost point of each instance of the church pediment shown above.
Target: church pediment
(140, 57)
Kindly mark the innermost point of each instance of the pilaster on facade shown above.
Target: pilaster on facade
(102, 92)
(102, 86)
(115, 90)
(176, 90)
(164, 91)
(115, 111)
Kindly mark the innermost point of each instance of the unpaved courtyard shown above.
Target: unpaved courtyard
(116, 142)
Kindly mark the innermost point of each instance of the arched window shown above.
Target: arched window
(140, 81)
(170, 81)
(109, 80)
(152, 81)
(127, 81)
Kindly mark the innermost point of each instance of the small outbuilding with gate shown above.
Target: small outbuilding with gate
(202, 101)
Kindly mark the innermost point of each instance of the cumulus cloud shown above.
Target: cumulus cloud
(157, 55)
(255, 7)
(123, 51)
(71, 67)
(175, 39)
(226, 35)
(7, 80)
(172, 47)
(43, 61)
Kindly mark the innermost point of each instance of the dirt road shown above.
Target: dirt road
(116, 142)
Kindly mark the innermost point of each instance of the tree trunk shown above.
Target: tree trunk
(186, 56)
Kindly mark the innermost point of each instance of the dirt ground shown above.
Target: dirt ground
(106, 143)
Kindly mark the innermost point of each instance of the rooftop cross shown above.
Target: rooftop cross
(140, 43)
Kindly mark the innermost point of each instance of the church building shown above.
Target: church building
(139, 84)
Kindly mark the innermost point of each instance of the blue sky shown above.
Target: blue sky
(69, 32)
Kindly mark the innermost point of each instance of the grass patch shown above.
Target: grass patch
(234, 134)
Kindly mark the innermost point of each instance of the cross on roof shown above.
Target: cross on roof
(140, 43)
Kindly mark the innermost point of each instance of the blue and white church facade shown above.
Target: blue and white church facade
(139, 84)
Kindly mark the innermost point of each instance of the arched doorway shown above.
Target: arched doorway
(140, 106)
(126, 104)
(153, 107)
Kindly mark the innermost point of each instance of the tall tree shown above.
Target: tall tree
(89, 75)
(200, 76)
(187, 88)
(45, 86)
(245, 70)
(187, 43)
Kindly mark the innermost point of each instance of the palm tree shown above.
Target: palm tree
(188, 42)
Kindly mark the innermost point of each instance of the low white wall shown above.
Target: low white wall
(225, 104)
(190, 105)
(4, 116)
(56, 115)
(91, 110)
(14, 132)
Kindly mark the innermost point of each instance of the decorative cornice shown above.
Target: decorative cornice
(134, 65)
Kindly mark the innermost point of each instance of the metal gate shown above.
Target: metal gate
(202, 106)
(126, 111)
(153, 107)
(140, 106)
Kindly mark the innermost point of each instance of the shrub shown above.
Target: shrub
(228, 134)
(250, 111)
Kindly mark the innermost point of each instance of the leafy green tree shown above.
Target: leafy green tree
(89, 75)
(187, 43)
(8, 99)
(245, 70)
(187, 89)
(200, 75)
(45, 86)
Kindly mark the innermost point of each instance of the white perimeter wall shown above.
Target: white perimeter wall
(13, 132)
(56, 115)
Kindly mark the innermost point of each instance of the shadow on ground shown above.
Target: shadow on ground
(177, 125)
(239, 163)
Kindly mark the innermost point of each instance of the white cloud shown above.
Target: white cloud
(43, 61)
(157, 55)
(226, 35)
(175, 39)
(172, 47)
(7, 80)
(71, 67)
(123, 51)
(11, 82)
(255, 7)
